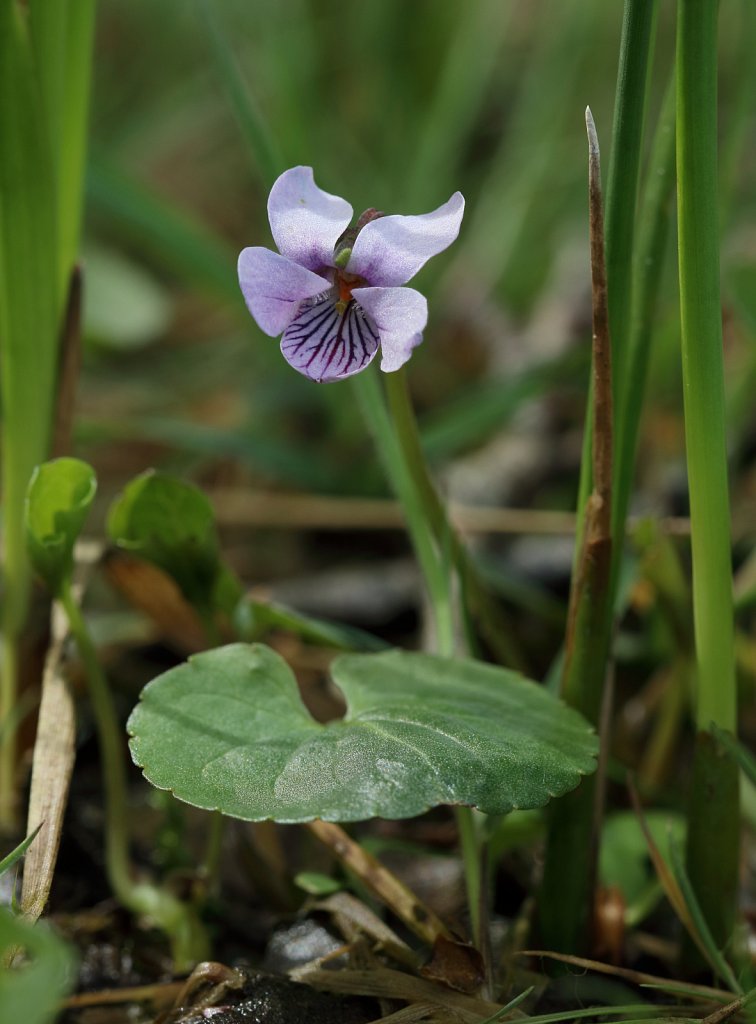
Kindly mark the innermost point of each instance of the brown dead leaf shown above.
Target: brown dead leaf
(455, 964)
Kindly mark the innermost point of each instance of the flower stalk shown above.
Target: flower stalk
(397, 438)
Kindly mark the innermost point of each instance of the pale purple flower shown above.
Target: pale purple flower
(334, 292)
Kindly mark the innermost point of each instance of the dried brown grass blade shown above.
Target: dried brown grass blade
(352, 917)
(385, 983)
(52, 766)
(418, 917)
(703, 992)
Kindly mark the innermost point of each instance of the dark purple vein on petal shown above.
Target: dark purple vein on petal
(324, 344)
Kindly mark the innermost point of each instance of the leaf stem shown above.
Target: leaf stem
(177, 919)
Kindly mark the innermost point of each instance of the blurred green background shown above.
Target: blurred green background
(198, 104)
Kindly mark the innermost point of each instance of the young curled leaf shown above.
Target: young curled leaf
(170, 523)
(58, 498)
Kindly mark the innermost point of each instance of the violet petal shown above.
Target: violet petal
(306, 222)
(391, 250)
(274, 287)
(400, 316)
(325, 344)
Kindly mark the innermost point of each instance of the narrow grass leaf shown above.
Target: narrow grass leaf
(15, 855)
(705, 939)
(744, 757)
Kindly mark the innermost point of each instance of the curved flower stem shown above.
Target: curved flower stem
(713, 830)
(177, 919)
(399, 445)
(413, 499)
(476, 604)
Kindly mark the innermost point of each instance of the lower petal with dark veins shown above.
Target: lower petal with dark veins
(328, 341)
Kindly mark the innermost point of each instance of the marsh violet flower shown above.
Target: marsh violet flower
(335, 292)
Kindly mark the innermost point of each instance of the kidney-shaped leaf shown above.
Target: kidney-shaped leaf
(228, 731)
(57, 502)
(170, 523)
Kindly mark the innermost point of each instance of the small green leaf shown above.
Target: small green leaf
(315, 884)
(15, 855)
(170, 523)
(228, 731)
(32, 992)
(624, 861)
(57, 502)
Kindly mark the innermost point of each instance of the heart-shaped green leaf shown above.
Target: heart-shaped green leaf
(170, 523)
(57, 502)
(228, 730)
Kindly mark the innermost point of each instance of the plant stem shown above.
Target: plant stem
(401, 451)
(413, 500)
(178, 920)
(476, 604)
(713, 826)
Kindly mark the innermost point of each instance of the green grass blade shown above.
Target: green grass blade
(460, 90)
(28, 326)
(75, 119)
(744, 757)
(268, 160)
(652, 243)
(161, 229)
(61, 34)
(15, 855)
(713, 953)
(713, 837)
(638, 31)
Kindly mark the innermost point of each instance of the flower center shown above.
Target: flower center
(345, 283)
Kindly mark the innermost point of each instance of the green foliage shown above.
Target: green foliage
(170, 523)
(29, 294)
(32, 991)
(736, 750)
(624, 860)
(57, 503)
(15, 855)
(254, 618)
(316, 884)
(228, 731)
